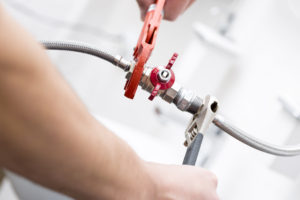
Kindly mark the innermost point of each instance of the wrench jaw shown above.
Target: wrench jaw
(202, 119)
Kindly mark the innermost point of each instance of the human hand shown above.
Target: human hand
(172, 9)
(183, 182)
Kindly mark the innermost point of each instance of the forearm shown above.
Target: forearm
(47, 135)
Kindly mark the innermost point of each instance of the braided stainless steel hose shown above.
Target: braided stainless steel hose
(180, 96)
(254, 142)
(87, 49)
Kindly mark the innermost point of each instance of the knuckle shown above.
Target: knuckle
(145, 3)
(142, 4)
(213, 178)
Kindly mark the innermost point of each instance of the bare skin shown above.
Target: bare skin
(172, 9)
(48, 136)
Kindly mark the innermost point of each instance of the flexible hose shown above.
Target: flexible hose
(256, 143)
(87, 49)
(219, 121)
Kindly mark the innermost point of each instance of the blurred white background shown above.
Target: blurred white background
(245, 52)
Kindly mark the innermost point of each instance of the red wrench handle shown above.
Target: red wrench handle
(145, 46)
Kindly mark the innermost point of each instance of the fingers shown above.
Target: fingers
(183, 182)
(189, 4)
(172, 9)
(144, 5)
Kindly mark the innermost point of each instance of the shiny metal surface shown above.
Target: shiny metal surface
(164, 75)
(170, 94)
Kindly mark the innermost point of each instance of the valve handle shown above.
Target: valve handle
(172, 61)
(162, 78)
(155, 91)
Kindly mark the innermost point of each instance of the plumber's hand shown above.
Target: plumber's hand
(173, 8)
(183, 182)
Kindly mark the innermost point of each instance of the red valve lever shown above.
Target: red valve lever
(172, 61)
(162, 78)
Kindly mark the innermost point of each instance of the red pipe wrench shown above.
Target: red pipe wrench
(145, 45)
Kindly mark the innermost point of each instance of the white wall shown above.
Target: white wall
(268, 34)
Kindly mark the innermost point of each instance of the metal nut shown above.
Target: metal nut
(145, 82)
(170, 94)
(184, 99)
